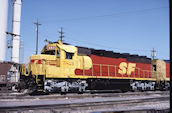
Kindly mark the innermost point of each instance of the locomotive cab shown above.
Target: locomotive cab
(57, 61)
(160, 73)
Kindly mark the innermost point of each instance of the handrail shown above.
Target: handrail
(100, 69)
(139, 74)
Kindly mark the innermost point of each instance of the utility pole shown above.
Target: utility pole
(37, 25)
(61, 34)
(153, 54)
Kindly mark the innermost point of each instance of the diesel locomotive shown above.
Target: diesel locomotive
(64, 68)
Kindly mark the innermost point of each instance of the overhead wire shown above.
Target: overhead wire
(110, 47)
(100, 16)
(94, 44)
(106, 15)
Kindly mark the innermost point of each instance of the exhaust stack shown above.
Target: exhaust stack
(16, 30)
(3, 28)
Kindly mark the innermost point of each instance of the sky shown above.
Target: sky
(125, 26)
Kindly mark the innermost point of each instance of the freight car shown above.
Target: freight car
(9, 73)
(64, 68)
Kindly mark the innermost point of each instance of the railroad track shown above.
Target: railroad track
(74, 95)
(90, 104)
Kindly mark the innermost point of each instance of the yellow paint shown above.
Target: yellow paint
(106, 77)
(54, 66)
(159, 70)
(131, 68)
(125, 68)
(122, 68)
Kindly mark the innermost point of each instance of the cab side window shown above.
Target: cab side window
(58, 53)
(154, 67)
(69, 55)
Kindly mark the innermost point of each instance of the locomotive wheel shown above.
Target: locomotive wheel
(162, 86)
(81, 91)
(63, 91)
(124, 90)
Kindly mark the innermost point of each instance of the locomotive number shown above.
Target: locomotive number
(51, 47)
(125, 68)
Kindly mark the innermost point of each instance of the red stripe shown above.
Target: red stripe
(39, 61)
(32, 61)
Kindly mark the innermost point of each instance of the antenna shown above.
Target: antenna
(48, 41)
(61, 34)
(153, 54)
(37, 25)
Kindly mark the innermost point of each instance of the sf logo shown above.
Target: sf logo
(125, 68)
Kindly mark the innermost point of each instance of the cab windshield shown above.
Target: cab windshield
(52, 52)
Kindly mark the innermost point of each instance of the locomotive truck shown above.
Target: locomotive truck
(65, 68)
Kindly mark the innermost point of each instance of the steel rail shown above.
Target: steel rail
(72, 106)
(56, 96)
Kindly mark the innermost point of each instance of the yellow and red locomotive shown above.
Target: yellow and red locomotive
(62, 67)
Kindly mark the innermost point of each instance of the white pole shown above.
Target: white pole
(3, 28)
(16, 30)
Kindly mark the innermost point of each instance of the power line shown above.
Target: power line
(99, 45)
(106, 15)
(96, 44)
